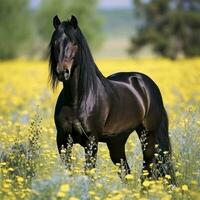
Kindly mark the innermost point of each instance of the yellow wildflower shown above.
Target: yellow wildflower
(61, 194)
(184, 188)
(145, 173)
(64, 188)
(99, 185)
(166, 197)
(129, 177)
(2, 163)
(167, 176)
(6, 185)
(146, 183)
(20, 179)
(92, 193)
(178, 174)
(73, 198)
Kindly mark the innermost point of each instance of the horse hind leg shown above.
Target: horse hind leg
(147, 140)
(164, 151)
(156, 150)
(116, 148)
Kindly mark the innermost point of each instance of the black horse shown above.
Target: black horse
(93, 108)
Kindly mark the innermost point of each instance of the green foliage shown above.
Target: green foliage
(14, 27)
(22, 156)
(172, 27)
(85, 11)
(26, 31)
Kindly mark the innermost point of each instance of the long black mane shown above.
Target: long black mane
(52, 63)
(89, 72)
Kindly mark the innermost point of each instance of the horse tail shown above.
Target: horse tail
(162, 135)
(164, 150)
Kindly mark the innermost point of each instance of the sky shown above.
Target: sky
(104, 4)
(110, 4)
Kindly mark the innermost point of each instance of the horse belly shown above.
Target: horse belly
(127, 115)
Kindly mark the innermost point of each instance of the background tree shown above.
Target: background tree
(25, 30)
(85, 11)
(14, 27)
(172, 27)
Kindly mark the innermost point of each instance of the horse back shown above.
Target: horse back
(136, 94)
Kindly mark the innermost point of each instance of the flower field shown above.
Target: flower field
(30, 167)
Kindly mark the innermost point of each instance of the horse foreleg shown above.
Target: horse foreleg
(91, 148)
(65, 144)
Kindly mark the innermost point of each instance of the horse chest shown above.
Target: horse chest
(68, 122)
(65, 118)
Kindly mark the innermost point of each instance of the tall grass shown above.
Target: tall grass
(30, 167)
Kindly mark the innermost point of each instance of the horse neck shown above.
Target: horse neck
(77, 89)
(71, 88)
(86, 80)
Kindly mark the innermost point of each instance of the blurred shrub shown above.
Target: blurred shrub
(26, 30)
(14, 27)
(172, 27)
(85, 11)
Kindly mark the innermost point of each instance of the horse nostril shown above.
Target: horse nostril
(66, 71)
(66, 74)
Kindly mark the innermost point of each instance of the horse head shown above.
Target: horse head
(63, 49)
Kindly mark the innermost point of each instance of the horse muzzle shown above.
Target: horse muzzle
(67, 74)
(64, 75)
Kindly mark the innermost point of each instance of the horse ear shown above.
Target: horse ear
(74, 22)
(56, 22)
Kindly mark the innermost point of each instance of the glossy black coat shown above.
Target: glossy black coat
(106, 109)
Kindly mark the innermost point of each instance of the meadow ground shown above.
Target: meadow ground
(30, 167)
